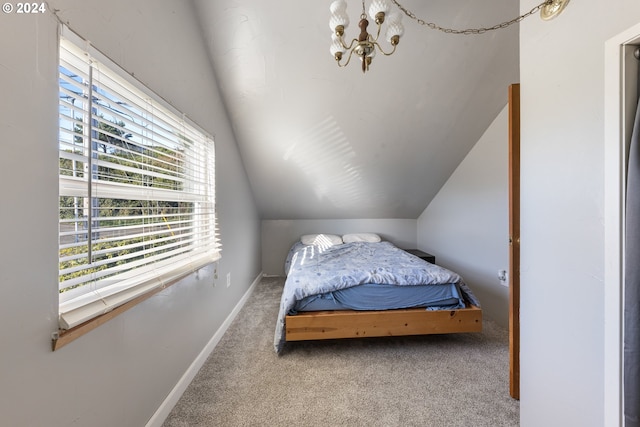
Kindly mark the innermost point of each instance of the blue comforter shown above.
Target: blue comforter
(313, 270)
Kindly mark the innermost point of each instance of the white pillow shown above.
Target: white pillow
(361, 237)
(324, 240)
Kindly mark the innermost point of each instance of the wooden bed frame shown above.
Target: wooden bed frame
(320, 325)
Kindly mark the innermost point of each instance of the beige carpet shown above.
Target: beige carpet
(437, 380)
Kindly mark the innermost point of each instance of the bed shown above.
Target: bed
(358, 285)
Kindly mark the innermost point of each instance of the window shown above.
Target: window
(137, 189)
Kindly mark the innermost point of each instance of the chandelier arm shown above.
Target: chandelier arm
(348, 59)
(468, 31)
(344, 44)
(377, 33)
(382, 51)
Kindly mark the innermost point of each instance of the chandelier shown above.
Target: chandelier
(366, 45)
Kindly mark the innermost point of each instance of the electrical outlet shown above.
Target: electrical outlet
(228, 279)
(502, 277)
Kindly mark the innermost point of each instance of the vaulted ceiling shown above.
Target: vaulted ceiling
(323, 142)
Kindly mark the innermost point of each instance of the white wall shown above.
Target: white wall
(562, 247)
(279, 235)
(120, 373)
(466, 226)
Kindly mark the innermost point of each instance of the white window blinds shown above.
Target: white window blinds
(137, 189)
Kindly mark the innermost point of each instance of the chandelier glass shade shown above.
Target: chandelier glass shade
(366, 44)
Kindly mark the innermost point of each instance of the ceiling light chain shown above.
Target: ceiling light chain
(548, 9)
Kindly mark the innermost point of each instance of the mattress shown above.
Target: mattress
(373, 296)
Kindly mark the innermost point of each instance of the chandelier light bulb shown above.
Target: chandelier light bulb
(336, 46)
(338, 6)
(395, 29)
(378, 6)
(395, 18)
(338, 19)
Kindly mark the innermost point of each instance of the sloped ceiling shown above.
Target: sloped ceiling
(323, 142)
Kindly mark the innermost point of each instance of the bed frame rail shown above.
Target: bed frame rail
(319, 325)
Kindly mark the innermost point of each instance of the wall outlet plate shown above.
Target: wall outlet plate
(503, 278)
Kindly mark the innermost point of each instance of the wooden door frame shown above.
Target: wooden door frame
(514, 240)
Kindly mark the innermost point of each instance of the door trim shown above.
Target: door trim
(514, 241)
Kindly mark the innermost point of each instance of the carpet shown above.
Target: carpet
(434, 380)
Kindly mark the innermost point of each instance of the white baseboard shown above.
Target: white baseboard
(165, 408)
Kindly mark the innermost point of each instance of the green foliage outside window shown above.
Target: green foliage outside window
(145, 224)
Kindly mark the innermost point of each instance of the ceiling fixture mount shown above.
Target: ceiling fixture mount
(553, 8)
(366, 45)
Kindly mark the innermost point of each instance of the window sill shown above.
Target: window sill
(64, 337)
